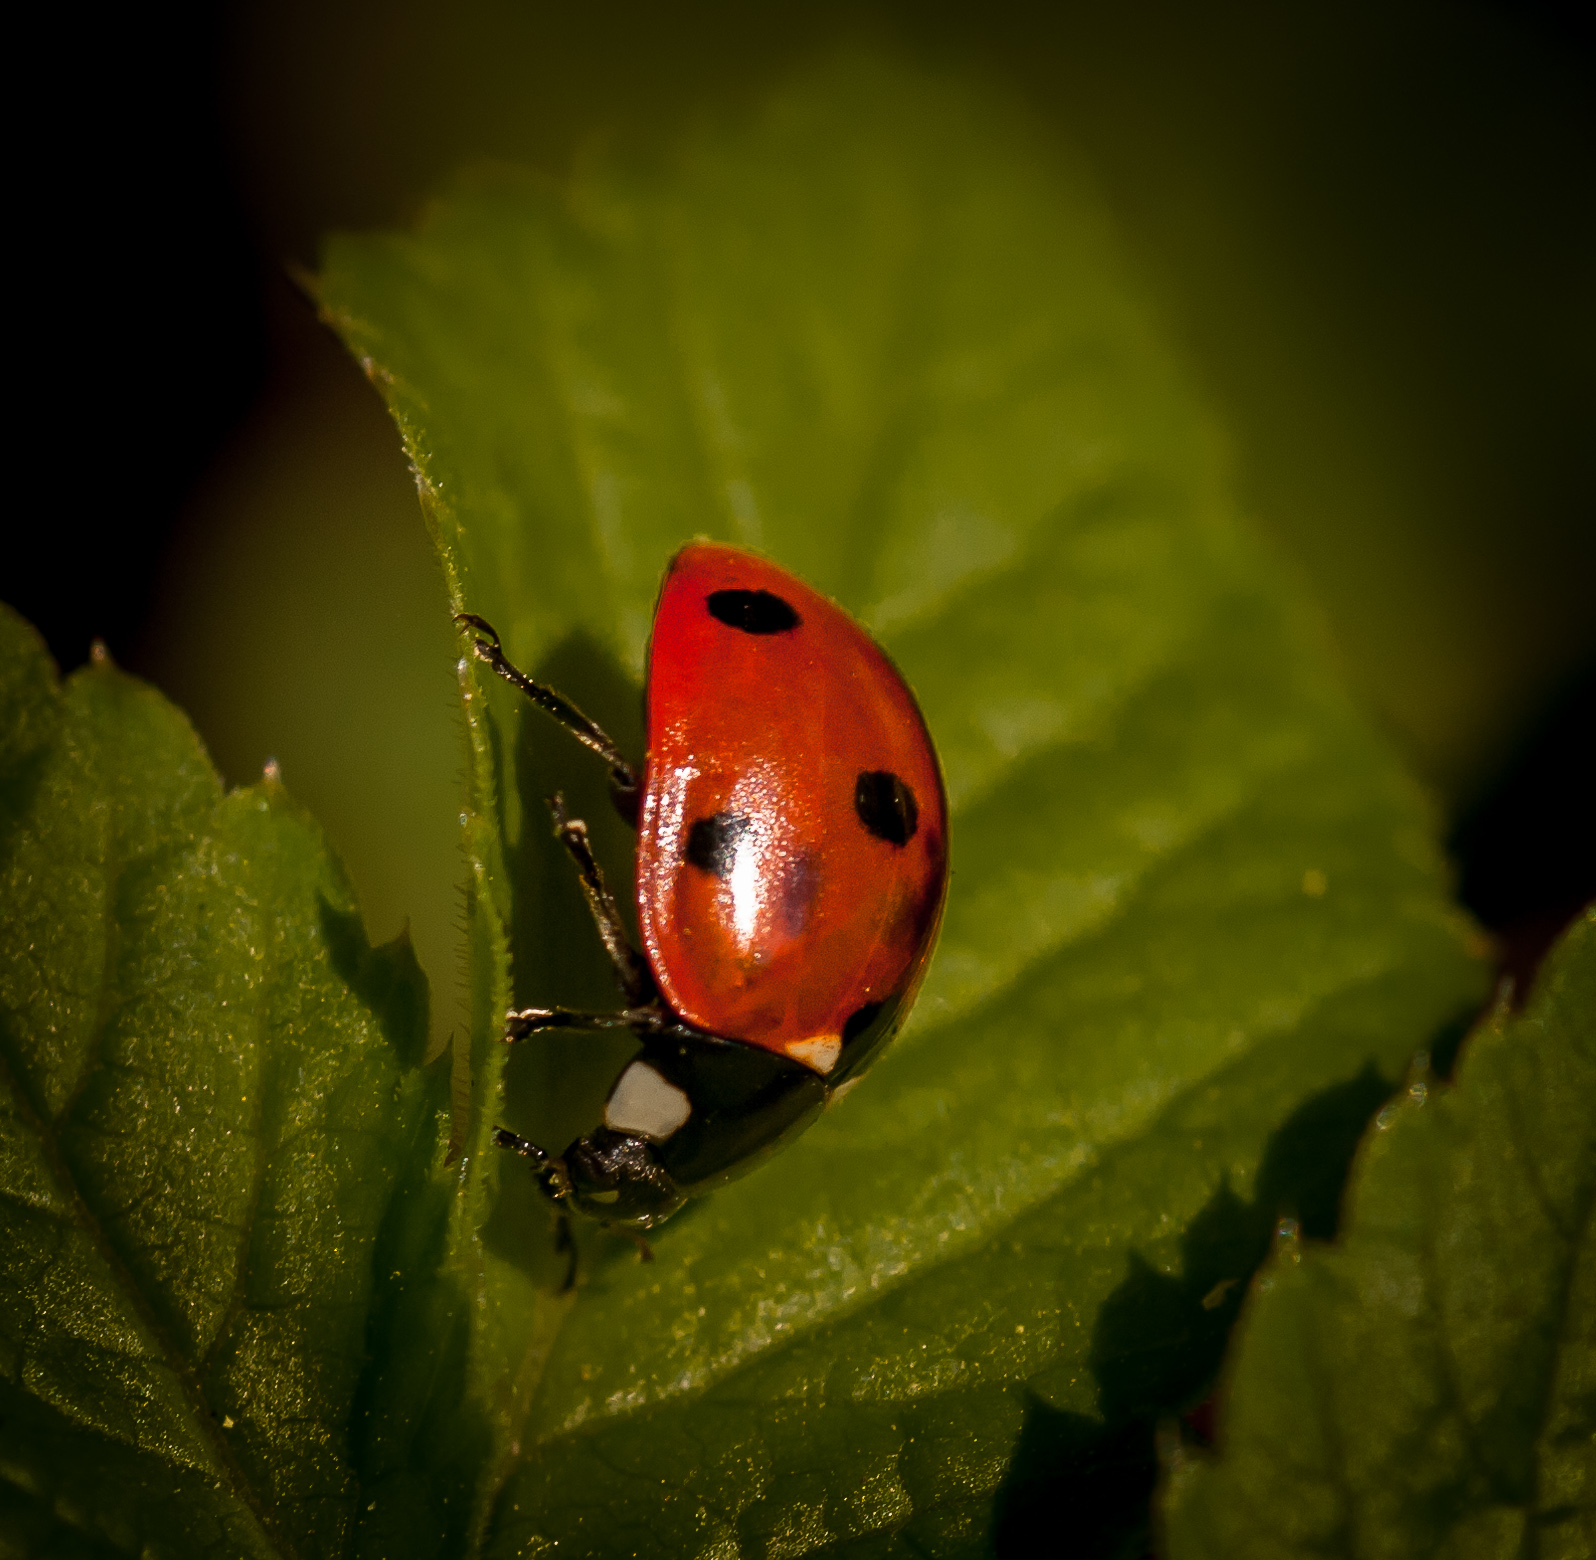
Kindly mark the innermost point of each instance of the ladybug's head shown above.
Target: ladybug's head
(616, 1178)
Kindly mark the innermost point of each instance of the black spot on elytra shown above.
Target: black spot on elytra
(712, 841)
(752, 611)
(886, 806)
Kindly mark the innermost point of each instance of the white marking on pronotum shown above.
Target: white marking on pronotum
(819, 1051)
(644, 1103)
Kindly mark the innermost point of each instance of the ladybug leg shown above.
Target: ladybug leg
(521, 1022)
(486, 647)
(637, 984)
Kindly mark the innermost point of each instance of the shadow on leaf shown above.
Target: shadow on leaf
(1080, 1486)
(387, 979)
(410, 1403)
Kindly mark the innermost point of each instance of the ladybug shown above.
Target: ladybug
(792, 862)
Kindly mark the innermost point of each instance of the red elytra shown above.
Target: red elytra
(792, 852)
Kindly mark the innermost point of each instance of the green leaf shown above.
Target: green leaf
(1428, 1386)
(208, 1087)
(880, 331)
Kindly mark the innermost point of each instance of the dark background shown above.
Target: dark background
(1369, 227)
